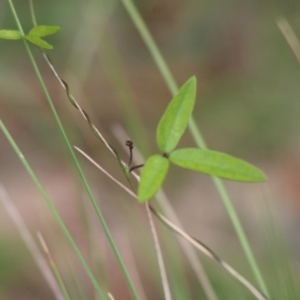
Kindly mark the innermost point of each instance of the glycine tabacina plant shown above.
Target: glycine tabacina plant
(34, 36)
(169, 131)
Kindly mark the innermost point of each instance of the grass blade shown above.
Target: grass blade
(52, 209)
(30, 242)
(54, 267)
(160, 260)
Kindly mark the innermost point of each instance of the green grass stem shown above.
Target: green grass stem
(30, 243)
(54, 268)
(52, 209)
(84, 68)
(171, 83)
(60, 281)
(74, 158)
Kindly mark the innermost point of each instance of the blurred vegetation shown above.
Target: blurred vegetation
(247, 105)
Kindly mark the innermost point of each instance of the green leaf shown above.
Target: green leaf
(176, 117)
(10, 34)
(216, 164)
(152, 176)
(42, 30)
(39, 42)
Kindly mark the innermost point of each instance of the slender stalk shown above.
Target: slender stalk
(160, 260)
(52, 209)
(74, 158)
(32, 13)
(290, 36)
(171, 83)
(54, 267)
(30, 243)
(110, 296)
(84, 67)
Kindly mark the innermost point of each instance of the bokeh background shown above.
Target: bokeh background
(247, 105)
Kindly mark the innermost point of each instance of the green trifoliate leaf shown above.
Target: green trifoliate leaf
(10, 34)
(216, 164)
(39, 42)
(176, 117)
(152, 176)
(42, 30)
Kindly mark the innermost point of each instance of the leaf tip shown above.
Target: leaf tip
(262, 176)
(193, 79)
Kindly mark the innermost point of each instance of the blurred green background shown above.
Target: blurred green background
(247, 105)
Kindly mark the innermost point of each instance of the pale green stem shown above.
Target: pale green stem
(171, 83)
(60, 282)
(30, 243)
(74, 158)
(54, 268)
(52, 209)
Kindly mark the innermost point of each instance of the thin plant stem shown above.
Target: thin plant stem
(290, 36)
(54, 267)
(124, 187)
(30, 243)
(110, 296)
(74, 158)
(52, 209)
(171, 83)
(160, 260)
(31, 7)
